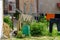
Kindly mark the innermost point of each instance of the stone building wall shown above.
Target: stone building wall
(48, 5)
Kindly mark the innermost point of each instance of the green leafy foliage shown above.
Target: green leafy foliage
(39, 29)
(19, 34)
(16, 15)
(7, 20)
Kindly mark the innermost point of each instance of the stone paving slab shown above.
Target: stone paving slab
(36, 38)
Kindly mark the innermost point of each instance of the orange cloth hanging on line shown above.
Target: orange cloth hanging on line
(50, 16)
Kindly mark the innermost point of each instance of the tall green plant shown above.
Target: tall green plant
(7, 20)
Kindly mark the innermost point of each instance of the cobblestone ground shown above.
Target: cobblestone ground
(36, 38)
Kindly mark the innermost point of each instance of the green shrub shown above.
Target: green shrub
(35, 29)
(39, 29)
(8, 21)
(20, 34)
(16, 15)
(54, 31)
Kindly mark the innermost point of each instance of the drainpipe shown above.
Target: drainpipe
(30, 9)
(37, 6)
(37, 11)
(24, 8)
(17, 4)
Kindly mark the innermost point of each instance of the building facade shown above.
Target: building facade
(30, 6)
(27, 6)
(48, 6)
(33, 7)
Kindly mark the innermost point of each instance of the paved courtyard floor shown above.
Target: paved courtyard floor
(36, 38)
